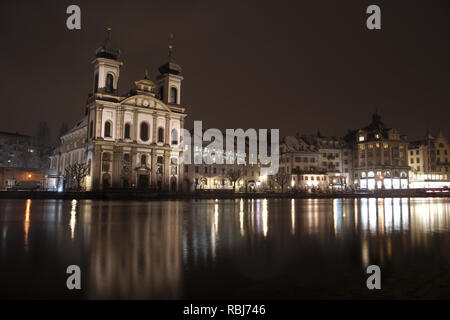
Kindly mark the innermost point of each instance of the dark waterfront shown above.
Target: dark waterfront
(230, 249)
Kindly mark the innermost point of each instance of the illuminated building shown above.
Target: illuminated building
(379, 157)
(315, 161)
(17, 151)
(214, 176)
(428, 161)
(127, 140)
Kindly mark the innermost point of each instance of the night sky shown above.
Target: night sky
(294, 65)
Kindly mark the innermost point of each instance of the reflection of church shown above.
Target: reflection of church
(127, 140)
(140, 261)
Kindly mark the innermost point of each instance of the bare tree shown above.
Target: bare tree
(75, 175)
(234, 175)
(281, 178)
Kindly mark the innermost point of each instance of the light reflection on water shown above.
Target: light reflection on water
(183, 249)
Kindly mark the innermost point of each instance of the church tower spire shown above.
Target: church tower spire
(169, 80)
(106, 67)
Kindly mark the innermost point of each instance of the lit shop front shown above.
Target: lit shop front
(372, 180)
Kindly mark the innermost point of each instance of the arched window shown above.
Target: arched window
(109, 82)
(160, 134)
(173, 95)
(174, 136)
(108, 129)
(127, 131)
(144, 131)
(91, 129)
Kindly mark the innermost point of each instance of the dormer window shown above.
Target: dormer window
(361, 138)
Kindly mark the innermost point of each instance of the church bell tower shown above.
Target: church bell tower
(169, 80)
(106, 69)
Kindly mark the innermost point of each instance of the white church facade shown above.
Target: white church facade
(131, 140)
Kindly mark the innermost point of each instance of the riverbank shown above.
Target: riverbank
(150, 195)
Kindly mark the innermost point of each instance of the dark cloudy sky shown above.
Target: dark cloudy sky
(294, 65)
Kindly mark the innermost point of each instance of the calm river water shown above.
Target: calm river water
(230, 249)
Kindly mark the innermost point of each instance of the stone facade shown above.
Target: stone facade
(429, 162)
(379, 157)
(17, 151)
(131, 140)
(212, 175)
(316, 162)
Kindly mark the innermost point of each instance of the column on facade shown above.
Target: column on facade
(155, 138)
(180, 171)
(181, 131)
(167, 131)
(119, 124)
(117, 167)
(153, 169)
(135, 126)
(133, 157)
(166, 171)
(96, 167)
(98, 127)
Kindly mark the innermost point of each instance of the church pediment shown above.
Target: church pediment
(145, 101)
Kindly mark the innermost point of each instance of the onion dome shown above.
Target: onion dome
(170, 66)
(105, 52)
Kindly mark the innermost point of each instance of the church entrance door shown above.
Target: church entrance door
(143, 181)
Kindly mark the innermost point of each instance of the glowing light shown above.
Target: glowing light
(27, 222)
(241, 216)
(73, 218)
(216, 218)
(265, 217)
(29, 176)
(293, 216)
